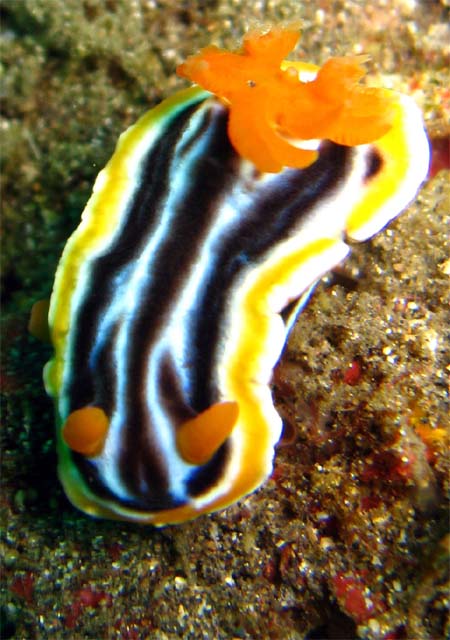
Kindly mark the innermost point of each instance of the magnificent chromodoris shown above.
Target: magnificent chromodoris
(205, 233)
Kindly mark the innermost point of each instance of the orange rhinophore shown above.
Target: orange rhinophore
(198, 439)
(272, 111)
(38, 322)
(85, 430)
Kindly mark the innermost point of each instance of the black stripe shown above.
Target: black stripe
(153, 501)
(208, 475)
(97, 385)
(273, 217)
(139, 457)
(137, 225)
(374, 164)
(192, 220)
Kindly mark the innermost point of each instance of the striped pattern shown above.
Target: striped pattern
(179, 292)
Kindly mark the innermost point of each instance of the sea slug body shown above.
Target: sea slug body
(205, 233)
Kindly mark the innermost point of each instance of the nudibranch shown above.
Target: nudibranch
(204, 236)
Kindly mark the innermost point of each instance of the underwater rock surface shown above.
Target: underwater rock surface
(349, 535)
